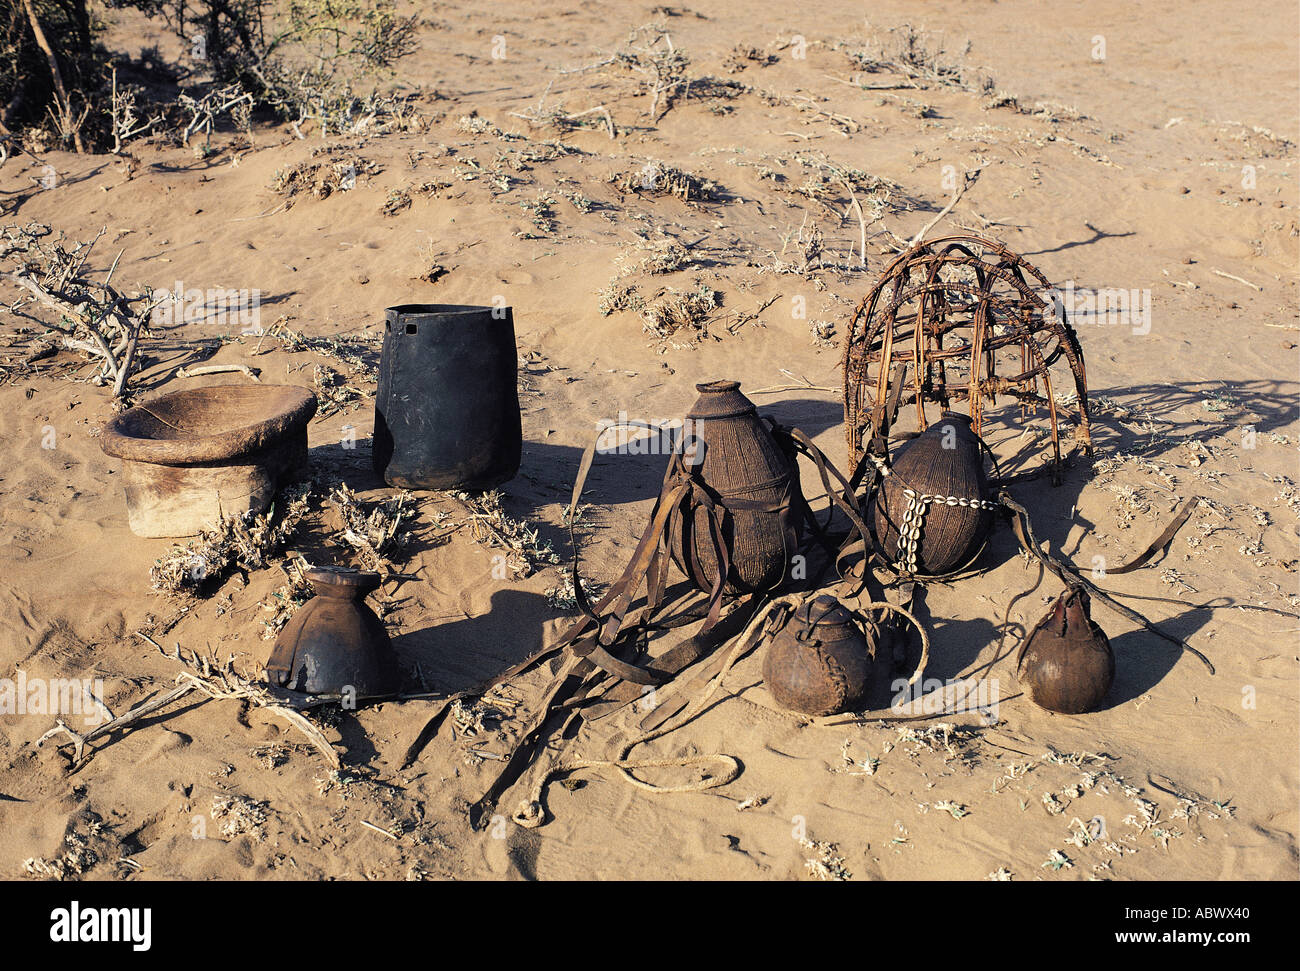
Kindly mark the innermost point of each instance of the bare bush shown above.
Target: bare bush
(657, 179)
(679, 311)
(250, 542)
(303, 59)
(92, 316)
(48, 65)
(921, 57)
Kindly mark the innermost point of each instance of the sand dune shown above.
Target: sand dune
(1124, 172)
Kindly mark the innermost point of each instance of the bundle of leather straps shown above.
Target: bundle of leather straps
(601, 657)
(602, 633)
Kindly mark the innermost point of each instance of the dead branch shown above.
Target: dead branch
(194, 372)
(64, 104)
(104, 323)
(968, 179)
(79, 755)
(219, 682)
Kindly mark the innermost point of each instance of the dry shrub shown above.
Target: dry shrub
(658, 179)
(742, 57)
(360, 352)
(619, 296)
(920, 56)
(665, 256)
(679, 311)
(93, 316)
(522, 544)
(233, 541)
(34, 93)
(284, 602)
(398, 201)
(650, 54)
(333, 391)
(322, 178)
(373, 530)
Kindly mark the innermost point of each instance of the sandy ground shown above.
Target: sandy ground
(1169, 166)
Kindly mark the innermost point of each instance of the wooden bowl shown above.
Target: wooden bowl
(190, 457)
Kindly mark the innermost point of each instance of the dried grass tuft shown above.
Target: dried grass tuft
(618, 296)
(333, 391)
(680, 311)
(322, 179)
(232, 541)
(240, 816)
(522, 546)
(373, 530)
(656, 178)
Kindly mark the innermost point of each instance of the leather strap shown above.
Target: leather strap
(1163, 540)
(1071, 577)
(843, 498)
(598, 634)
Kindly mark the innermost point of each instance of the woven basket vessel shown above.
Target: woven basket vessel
(950, 534)
(959, 318)
(741, 464)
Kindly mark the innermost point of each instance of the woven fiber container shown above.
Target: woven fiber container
(190, 457)
(447, 407)
(742, 467)
(944, 462)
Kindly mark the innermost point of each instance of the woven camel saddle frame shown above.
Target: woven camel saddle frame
(926, 313)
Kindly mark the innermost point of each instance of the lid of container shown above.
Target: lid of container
(342, 581)
(954, 416)
(720, 399)
(823, 611)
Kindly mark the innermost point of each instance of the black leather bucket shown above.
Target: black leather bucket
(447, 409)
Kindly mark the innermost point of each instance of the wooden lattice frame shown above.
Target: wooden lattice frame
(964, 288)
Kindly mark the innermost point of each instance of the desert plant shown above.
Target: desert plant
(650, 56)
(921, 57)
(657, 179)
(302, 59)
(93, 316)
(649, 52)
(48, 61)
(679, 311)
(299, 58)
(251, 542)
